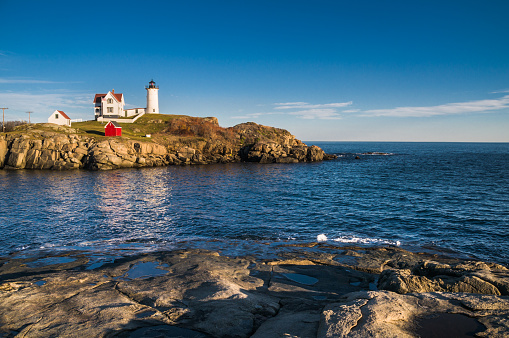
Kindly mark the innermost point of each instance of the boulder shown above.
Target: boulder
(3, 152)
(33, 157)
(69, 147)
(402, 281)
(387, 314)
(266, 158)
(186, 153)
(48, 143)
(469, 284)
(115, 160)
(289, 323)
(315, 154)
(450, 280)
(299, 152)
(212, 120)
(119, 148)
(36, 144)
(338, 320)
(287, 160)
(21, 143)
(17, 159)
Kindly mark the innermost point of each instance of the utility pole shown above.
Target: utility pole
(3, 119)
(29, 112)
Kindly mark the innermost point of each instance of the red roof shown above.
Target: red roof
(98, 96)
(63, 114)
(114, 123)
(118, 97)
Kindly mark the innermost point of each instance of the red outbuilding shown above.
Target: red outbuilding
(112, 129)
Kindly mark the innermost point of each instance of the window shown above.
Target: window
(110, 110)
(110, 100)
(154, 110)
(56, 116)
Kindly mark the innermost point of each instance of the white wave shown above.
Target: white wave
(360, 240)
(48, 245)
(376, 153)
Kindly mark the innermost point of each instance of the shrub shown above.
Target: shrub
(11, 125)
(197, 127)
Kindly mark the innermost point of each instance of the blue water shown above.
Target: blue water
(451, 196)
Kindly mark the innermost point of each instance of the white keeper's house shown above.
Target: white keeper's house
(59, 117)
(110, 106)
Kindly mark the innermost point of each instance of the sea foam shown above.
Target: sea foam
(321, 238)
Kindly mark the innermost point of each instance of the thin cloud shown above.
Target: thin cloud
(478, 106)
(46, 102)
(308, 111)
(25, 81)
(290, 104)
(305, 105)
(252, 115)
(322, 114)
(351, 111)
(500, 91)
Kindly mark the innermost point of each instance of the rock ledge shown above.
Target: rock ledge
(310, 290)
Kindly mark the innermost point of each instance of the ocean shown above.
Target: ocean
(446, 197)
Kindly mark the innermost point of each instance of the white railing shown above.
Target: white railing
(123, 120)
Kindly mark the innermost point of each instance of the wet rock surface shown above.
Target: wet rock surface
(308, 290)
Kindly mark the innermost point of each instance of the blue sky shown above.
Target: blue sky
(324, 70)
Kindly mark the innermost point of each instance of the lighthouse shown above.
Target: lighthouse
(152, 98)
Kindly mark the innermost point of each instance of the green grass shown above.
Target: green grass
(136, 130)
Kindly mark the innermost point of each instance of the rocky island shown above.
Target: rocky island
(304, 290)
(154, 140)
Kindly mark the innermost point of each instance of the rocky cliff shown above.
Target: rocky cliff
(182, 141)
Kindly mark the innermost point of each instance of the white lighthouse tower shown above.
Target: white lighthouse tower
(152, 98)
